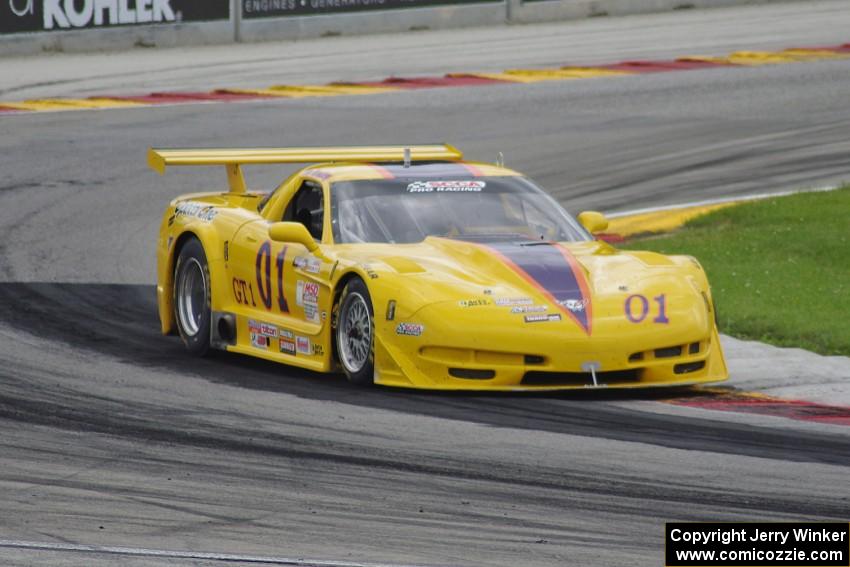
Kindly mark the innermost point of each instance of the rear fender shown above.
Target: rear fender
(171, 241)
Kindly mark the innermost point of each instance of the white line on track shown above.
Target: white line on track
(720, 200)
(166, 554)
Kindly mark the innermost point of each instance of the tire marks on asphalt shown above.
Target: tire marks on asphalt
(120, 321)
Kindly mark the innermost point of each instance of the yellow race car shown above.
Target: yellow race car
(407, 266)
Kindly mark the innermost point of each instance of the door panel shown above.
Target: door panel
(281, 292)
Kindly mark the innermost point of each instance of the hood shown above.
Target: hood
(585, 284)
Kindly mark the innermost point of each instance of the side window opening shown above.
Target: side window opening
(307, 207)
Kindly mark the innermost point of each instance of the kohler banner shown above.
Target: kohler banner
(55, 15)
(252, 9)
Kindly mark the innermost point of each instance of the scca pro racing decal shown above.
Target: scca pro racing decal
(554, 271)
(446, 186)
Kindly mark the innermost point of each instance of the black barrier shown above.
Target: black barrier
(255, 9)
(17, 16)
(763, 544)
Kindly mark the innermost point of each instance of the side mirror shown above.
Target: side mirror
(593, 221)
(294, 232)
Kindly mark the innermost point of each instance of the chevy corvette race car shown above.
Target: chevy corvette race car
(411, 267)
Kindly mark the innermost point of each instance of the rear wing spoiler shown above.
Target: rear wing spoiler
(234, 159)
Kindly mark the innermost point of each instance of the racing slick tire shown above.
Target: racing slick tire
(355, 333)
(192, 297)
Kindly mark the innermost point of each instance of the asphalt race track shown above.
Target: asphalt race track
(113, 436)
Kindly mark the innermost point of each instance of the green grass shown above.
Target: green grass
(779, 269)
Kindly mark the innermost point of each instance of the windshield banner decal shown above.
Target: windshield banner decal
(446, 186)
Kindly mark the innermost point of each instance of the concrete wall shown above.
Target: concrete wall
(459, 15)
(299, 27)
(109, 39)
(547, 10)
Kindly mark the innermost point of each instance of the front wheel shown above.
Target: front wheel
(355, 333)
(192, 297)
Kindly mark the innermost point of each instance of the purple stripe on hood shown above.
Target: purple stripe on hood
(551, 268)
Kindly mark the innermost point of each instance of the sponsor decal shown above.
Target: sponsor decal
(287, 346)
(542, 318)
(260, 341)
(446, 186)
(309, 264)
(318, 350)
(199, 211)
(373, 275)
(284, 334)
(575, 305)
(410, 329)
(263, 329)
(511, 301)
(488, 292)
(311, 313)
(303, 346)
(528, 309)
(307, 296)
(306, 292)
(47, 15)
(474, 302)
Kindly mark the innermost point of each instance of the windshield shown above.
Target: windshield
(409, 210)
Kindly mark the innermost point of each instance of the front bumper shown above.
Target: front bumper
(614, 363)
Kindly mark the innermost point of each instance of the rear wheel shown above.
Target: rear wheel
(355, 333)
(192, 297)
